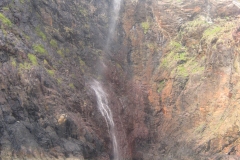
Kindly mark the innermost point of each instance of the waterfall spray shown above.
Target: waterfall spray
(113, 21)
(97, 87)
(106, 113)
(236, 3)
(208, 18)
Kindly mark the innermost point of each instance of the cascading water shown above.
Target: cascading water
(208, 18)
(106, 113)
(236, 3)
(97, 87)
(113, 21)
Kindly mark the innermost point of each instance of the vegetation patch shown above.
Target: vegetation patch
(151, 46)
(196, 23)
(161, 85)
(178, 53)
(211, 33)
(13, 62)
(39, 49)
(71, 85)
(83, 11)
(50, 72)
(192, 66)
(175, 45)
(53, 43)
(145, 26)
(82, 63)
(25, 66)
(60, 52)
(67, 51)
(33, 59)
(40, 33)
(5, 20)
(59, 81)
(180, 56)
(179, 62)
(26, 36)
(182, 71)
(5, 8)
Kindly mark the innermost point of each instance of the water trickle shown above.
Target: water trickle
(236, 3)
(106, 113)
(113, 21)
(208, 18)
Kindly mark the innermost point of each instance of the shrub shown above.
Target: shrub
(39, 48)
(145, 26)
(71, 85)
(13, 62)
(33, 59)
(53, 43)
(60, 52)
(5, 20)
(50, 72)
(40, 33)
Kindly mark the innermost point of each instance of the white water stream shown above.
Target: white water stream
(113, 21)
(106, 113)
(236, 3)
(97, 87)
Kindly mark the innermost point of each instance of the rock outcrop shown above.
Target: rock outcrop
(185, 53)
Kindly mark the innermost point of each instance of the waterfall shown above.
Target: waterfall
(236, 3)
(208, 18)
(102, 100)
(113, 21)
(106, 113)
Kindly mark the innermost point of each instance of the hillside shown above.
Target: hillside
(170, 71)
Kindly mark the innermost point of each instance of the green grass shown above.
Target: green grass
(54, 43)
(50, 72)
(5, 8)
(200, 21)
(71, 85)
(33, 59)
(182, 71)
(82, 63)
(60, 52)
(40, 33)
(26, 37)
(39, 49)
(168, 59)
(180, 56)
(161, 85)
(59, 81)
(25, 66)
(211, 33)
(175, 44)
(67, 51)
(13, 62)
(145, 26)
(5, 20)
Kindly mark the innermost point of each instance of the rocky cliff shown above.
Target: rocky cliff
(171, 75)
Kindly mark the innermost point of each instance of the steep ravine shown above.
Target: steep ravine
(171, 76)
